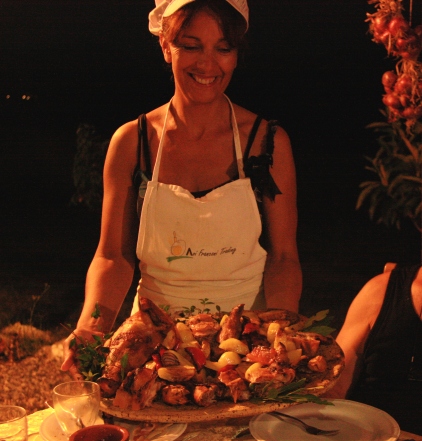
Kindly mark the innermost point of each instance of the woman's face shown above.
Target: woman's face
(202, 60)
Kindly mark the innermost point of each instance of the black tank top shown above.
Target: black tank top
(256, 167)
(394, 339)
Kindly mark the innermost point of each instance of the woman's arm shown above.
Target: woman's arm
(283, 274)
(111, 271)
(352, 337)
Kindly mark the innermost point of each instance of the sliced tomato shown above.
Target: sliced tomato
(262, 354)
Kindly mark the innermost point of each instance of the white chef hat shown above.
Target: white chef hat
(165, 8)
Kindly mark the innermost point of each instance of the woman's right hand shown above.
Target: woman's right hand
(69, 355)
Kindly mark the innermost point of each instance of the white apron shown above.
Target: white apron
(191, 249)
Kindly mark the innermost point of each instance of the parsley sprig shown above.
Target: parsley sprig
(91, 355)
(187, 311)
(195, 310)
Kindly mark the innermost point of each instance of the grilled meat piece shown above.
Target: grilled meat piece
(310, 341)
(204, 395)
(175, 394)
(133, 342)
(138, 390)
(232, 327)
(203, 326)
(238, 388)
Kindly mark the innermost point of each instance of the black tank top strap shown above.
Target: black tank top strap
(271, 129)
(252, 136)
(142, 150)
(143, 145)
(257, 168)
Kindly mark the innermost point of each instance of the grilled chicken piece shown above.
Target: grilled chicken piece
(138, 390)
(238, 388)
(232, 327)
(309, 342)
(134, 342)
(203, 326)
(175, 394)
(204, 395)
(275, 374)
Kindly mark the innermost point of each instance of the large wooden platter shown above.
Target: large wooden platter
(163, 413)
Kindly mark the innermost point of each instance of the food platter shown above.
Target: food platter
(263, 366)
(163, 413)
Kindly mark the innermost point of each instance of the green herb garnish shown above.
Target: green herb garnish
(91, 356)
(319, 323)
(123, 363)
(290, 393)
(96, 313)
(192, 310)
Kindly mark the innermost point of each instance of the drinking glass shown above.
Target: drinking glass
(76, 405)
(13, 423)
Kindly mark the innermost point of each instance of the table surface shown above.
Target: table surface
(208, 431)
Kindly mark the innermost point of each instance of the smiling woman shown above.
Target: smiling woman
(202, 66)
(204, 175)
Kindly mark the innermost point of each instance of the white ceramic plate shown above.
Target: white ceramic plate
(163, 432)
(51, 431)
(356, 421)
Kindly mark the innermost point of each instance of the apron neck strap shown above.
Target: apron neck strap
(236, 139)
(160, 146)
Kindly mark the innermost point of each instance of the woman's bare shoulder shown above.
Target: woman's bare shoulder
(367, 303)
(246, 119)
(125, 137)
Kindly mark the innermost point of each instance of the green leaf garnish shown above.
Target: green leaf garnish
(91, 356)
(323, 330)
(290, 393)
(319, 323)
(192, 310)
(321, 315)
(96, 313)
(123, 363)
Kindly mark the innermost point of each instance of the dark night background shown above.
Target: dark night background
(311, 65)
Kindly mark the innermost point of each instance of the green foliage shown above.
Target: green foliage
(97, 312)
(320, 323)
(396, 193)
(290, 393)
(124, 361)
(90, 356)
(189, 311)
(88, 165)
